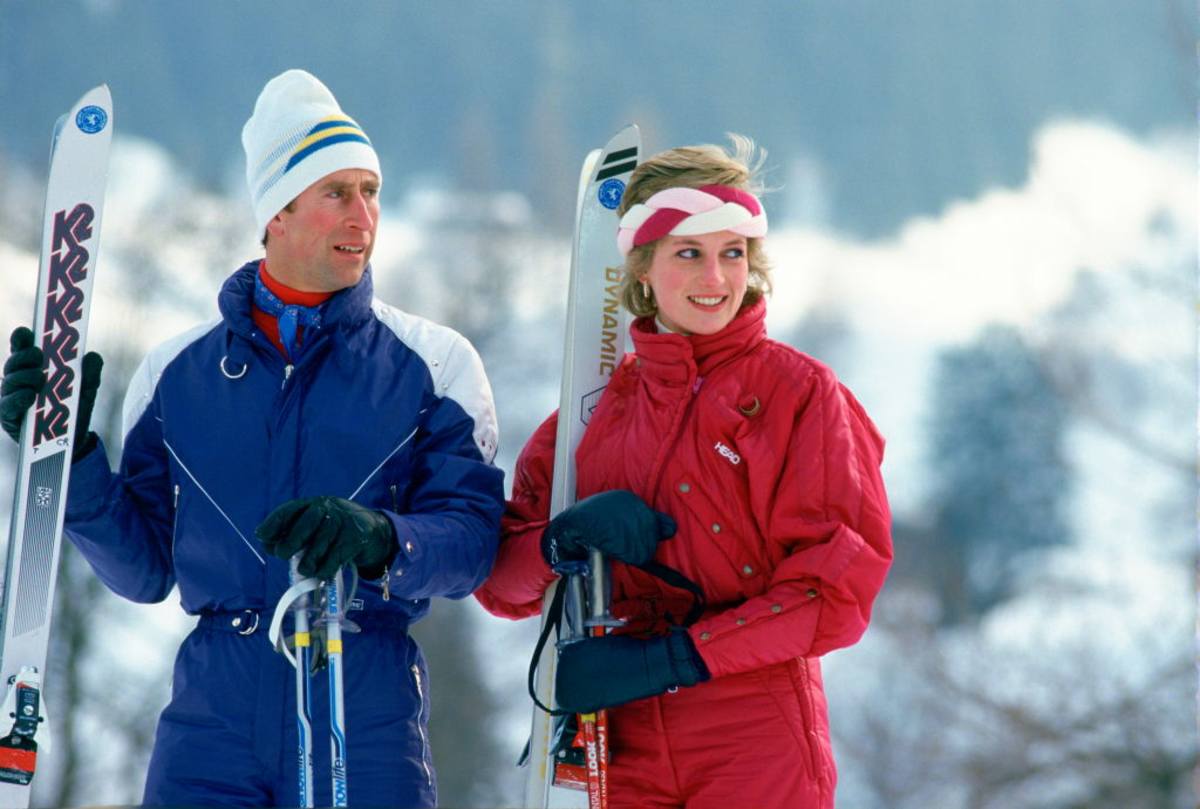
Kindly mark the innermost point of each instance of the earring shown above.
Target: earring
(645, 290)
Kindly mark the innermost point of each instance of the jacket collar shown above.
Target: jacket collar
(672, 357)
(347, 307)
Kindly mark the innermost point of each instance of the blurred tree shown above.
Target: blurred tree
(1000, 476)
(473, 766)
(1121, 353)
(1032, 713)
(1069, 696)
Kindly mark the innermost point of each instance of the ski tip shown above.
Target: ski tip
(620, 158)
(629, 138)
(629, 133)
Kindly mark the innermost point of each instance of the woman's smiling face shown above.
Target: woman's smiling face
(699, 282)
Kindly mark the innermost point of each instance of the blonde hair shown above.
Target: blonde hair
(693, 167)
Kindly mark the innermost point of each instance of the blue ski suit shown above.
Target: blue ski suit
(384, 408)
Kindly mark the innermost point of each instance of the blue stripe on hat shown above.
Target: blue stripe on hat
(322, 143)
(330, 123)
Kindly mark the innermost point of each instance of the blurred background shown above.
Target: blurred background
(984, 217)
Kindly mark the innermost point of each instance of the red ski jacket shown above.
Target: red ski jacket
(770, 468)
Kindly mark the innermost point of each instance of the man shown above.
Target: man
(308, 419)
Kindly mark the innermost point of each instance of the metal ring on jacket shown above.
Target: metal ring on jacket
(238, 375)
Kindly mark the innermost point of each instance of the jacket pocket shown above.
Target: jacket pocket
(791, 691)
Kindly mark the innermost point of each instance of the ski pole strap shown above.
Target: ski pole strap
(676, 579)
(554, 617)
(553, 621)
(293, 594)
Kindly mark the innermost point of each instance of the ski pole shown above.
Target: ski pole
(337, 710)
(296, 601)
(586, 613)
(303, 691)
(598, 622)
(575, 629)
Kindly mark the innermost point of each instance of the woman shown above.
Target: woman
(737, 461)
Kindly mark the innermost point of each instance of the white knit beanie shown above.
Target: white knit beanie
(297, 135)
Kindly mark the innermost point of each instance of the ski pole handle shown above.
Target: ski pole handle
(599, 593)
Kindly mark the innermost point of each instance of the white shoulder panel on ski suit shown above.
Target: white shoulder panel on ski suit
(453, 364)
(145, 378)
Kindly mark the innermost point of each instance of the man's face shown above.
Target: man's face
(323, 243)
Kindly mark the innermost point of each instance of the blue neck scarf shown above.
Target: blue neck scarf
(289, 315)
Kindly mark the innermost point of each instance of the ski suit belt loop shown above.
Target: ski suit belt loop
(247, 622)
(241, 622)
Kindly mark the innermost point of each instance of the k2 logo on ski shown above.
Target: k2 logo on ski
(64, 309)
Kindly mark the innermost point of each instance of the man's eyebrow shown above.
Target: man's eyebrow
(344, 185)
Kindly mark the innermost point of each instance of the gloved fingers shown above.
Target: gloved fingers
(12, 411)
(23, 353)
(92, 365)
(600, 672)
(16, 403)
(666, 525)
(378, 542)
(278, 528)
(20, 339)
(322, 538)
(25, 377)
(335, 558)
(572, 541)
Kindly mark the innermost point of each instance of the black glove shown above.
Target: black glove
(332, 532)
(618, 523)
(598, 673)
(25, 378)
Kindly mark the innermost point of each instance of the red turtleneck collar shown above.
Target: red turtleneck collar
(670, 356)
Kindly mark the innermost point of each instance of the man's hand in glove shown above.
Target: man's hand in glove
(618, 523)
(25, 378)
(598, 673)
(331, 532)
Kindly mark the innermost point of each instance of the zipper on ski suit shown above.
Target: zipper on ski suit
(416, 672)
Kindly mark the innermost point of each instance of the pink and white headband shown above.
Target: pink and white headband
(690, 212)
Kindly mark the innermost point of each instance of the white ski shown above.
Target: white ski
(595, 344)
(70, 238)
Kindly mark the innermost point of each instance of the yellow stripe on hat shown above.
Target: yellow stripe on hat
(323, 130)
(328, 131)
